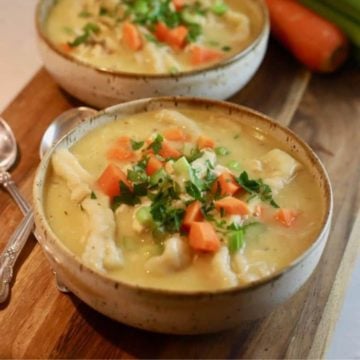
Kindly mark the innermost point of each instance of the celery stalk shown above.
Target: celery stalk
(351, 28)
(350, 8)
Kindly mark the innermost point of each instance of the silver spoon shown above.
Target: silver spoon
(8, 153)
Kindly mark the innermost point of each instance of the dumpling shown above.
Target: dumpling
(100, 250)
(248, 273)
(276, 168)
(176, 256)
(221, 269)
(76, 177)
(173, 117)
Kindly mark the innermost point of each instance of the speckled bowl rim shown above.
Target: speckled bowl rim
(217, 66)
(227, 108)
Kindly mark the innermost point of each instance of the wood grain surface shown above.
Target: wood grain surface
(40, 322)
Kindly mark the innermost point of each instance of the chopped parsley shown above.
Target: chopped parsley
(136, 145)
(126, 197)
(226, 48)
(88, 30)
(157, 144)
(257, 187)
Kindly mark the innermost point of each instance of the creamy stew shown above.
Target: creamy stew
(185, 200)
(153, 37)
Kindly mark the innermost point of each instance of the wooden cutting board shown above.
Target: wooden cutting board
(40, 322)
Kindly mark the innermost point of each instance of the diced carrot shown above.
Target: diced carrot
(192, 213)
(320, 45)
(205, 142)
(175, 134)
(232, 206)
(65, 47)
(200, 55)
(179, 4)
(203, 237)
(227, 183)
(167, 151)
(121, 150)
(175, 37)
(286, 217)
(109, 180)
(131, 36)
(153, 165)
(161, 31)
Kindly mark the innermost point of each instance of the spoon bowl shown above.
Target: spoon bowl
(8, 153)
(62, 125)
(8, 148)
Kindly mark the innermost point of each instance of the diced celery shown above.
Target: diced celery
(183, 168)
(158, 177)
(236, 240)
(143, 216)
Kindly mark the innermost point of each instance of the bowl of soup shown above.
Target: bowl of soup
(182, 215)
(108, 51)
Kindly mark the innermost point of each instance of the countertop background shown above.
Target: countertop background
(19, 61)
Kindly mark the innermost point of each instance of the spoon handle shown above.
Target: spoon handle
(11, 253)
(9, 185)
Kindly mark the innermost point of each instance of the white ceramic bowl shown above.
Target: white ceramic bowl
(102, 88)
(174, 311)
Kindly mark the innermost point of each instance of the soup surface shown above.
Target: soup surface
(158, 36)
(186, 200)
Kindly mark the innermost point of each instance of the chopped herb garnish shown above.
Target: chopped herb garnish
(93, 196)
(257, 187)
(226, 48)
(195, 154)
(91, 28)
(137, 175)
(136, 145)
(193, 190)
(88, 29)
(103, 11)
(157, 144)
(68, 30)
(84, 14)
(126, 196)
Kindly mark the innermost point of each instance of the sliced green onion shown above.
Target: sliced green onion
(234, 165)
(158, 177)
(222, 151)
(219, 8)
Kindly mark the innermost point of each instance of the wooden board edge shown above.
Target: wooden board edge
(295, 96)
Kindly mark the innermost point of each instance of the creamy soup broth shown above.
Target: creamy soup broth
(93, 32)
(269, 245)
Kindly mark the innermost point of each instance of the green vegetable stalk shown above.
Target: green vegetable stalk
(344, 13)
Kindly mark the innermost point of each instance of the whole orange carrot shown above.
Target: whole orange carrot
(316, 42)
